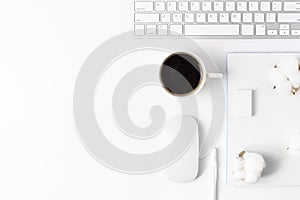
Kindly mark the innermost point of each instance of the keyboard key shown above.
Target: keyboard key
(271, 17)
(195, 6)
(242, 6)
(139, 29)
(291, 6)
(230, 6)
(253, 6)
(247, 30)
(289, 17)
(162, 29)
(175, 29)
(224, 17)
(247, 17)
(151, 29)
(172, 6)
(146, 18)
(284, 32)
(160, 6)
(143, 6)
(272, 32)
(207, 30)
(236, 17)
(276, 6)
(166, 17)
(212, 17)
(265, 6)
(201, 17)
(260, 29)
(189, 17)
(284, 26)
(295, 32)
(177, 17)
(218, 6)
(206, 6)
(183, 6)
(259, 17)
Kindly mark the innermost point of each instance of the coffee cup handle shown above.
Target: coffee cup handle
(215, 75)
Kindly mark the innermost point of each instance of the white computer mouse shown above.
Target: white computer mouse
(186, 168)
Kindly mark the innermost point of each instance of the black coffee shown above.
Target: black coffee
(180, 73)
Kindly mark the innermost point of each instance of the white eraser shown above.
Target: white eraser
(243, 103)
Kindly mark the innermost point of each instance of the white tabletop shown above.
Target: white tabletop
(43, 44)
(273, 122)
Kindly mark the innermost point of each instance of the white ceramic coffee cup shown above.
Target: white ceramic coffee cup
(204, 74)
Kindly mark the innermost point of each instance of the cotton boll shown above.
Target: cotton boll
(239, 175)
(237, 164)
(284, 87)
(295, 80)
(276, 76)
(253, 165)
(251, 178)
(255, 157)
(288, 65)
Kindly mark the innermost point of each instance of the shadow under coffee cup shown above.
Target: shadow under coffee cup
(183, 73)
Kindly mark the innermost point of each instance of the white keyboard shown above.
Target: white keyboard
(217, 19)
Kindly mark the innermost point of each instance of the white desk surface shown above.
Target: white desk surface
(275, 119)
(43, 44)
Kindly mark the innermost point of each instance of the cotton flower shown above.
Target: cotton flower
(251, 178)
(283, 87)
(276, 76)
(247, 167)
(285, 76)
(288, 65)
(239, 175)
(295, 80)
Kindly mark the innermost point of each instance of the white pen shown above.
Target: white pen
(214, 174)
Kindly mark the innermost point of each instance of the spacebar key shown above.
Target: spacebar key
(207, 30)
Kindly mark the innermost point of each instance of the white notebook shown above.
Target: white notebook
(274, 118)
